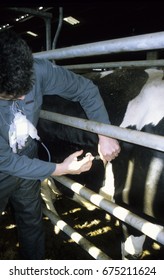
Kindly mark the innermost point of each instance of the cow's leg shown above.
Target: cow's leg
(107, 189)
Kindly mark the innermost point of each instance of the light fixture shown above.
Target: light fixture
(5, 26)
(71, 20)
(32, 33)
(22, 18)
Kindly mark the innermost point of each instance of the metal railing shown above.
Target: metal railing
(136, 137)
(154, 231)
(150, 41)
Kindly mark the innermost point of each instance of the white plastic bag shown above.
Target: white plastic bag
(20, 130)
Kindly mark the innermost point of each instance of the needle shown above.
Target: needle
(95, 158)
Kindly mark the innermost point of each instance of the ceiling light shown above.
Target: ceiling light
(32, 33)
(5, 26)
(71, 20)
(22, 18)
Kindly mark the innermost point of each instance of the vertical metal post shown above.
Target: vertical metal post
(59, 28)
(48, 33)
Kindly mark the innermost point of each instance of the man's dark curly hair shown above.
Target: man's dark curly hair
(16, 65)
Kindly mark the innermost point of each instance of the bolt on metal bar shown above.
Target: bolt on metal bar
(156, 232)
(136, 137)
(128, 44)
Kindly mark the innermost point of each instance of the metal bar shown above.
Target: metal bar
(31, 12)
(156, 232)
(127, 44)
(137, 137)
(48, 33)
(58, 28)
(118, 64)
(76, 237)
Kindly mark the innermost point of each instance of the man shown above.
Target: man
(23, 82)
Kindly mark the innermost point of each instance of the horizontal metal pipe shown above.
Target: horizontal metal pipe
(75, 236)
(128, 135)
(118, 64)
(156, 232)
(151, 41)
(32, 12)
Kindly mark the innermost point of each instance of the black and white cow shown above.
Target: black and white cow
(134, 99)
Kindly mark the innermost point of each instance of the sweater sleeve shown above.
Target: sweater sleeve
(22, 166)
(60, 81)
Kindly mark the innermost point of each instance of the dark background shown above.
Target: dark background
(102, 20)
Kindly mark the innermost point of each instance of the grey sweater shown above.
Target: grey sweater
(50, 79)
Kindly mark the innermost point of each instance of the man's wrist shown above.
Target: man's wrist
(59, 170)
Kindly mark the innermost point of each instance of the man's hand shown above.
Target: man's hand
(108, 148)
(71, 165)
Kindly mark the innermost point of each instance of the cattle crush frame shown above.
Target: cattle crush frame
(153, 41)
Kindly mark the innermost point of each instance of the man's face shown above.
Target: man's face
(10, 97)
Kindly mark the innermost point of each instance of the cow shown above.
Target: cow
(134, 99)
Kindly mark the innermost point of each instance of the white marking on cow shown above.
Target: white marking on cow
(133, 245)
(127, 186)
(153, 176)
(105, 73)
(108, 188)
(148, 106)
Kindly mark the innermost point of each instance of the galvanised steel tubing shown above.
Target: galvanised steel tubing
(156, 232)
(149, 41)
(60, 22)
(32, 12)
(48, 33)
(118, 64)
(136, 137)
(44, 15)
(76, 237)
